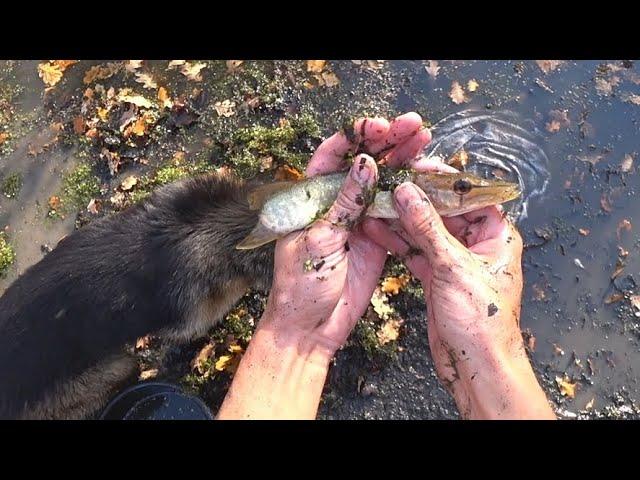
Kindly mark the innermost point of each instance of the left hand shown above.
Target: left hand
(324, 276)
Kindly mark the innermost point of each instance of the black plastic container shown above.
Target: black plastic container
(155, 401)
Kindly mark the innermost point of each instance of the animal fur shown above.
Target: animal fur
(167, 266)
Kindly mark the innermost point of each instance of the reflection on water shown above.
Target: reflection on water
(497, 144)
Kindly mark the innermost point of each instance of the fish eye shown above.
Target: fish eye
(462, 186)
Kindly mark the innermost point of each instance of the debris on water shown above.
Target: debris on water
(539, 82)
(624, 224)
(613, 298)
(549, 65)
(432, 68)
(627, 163)
(457, 93)
(589, 405)
(557, 119)
(558, 350)
(578, 263)
(584, 231)
(619, 268)
(566, 386)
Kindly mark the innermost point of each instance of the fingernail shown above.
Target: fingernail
(407, 195)
(360, 171)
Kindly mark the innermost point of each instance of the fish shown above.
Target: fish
(288, 206)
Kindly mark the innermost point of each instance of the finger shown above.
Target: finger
(484, 223)
(401, 129)
(404, 153)
(420, 219)
(505, 241)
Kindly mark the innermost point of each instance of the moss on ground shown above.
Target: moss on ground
(11, 185)
(7, 255)
(79, 186)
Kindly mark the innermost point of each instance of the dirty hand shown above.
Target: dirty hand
(324, 277)
(471, 273)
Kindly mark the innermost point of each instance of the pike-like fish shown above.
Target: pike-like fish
(293, 205)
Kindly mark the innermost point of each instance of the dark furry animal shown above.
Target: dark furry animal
(167, 266)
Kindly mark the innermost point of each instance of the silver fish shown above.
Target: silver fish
(290, 206)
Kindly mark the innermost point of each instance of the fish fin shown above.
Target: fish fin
(260, 194)
(259, 236)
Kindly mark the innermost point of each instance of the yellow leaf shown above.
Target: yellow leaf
(203, 355)
(393, 285)
(225, 108)
(380, 303)
(389, 331)
(567, 388)
(457, 94)
(315, 66)
(129, 182)
(139, 127)
(103, 113)
(148, 374)
(50, 74)
(146, 80)
(163, 98)
(100, 72)
(192, 70)
(137, 100)
(235, 348)
(223, 362)
(472, 85)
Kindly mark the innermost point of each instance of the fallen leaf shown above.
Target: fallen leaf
(567, 389)
(50, 74)
(432, 68)
(538, 292)
(78, 125)
(143, 342)
(54, 203)
(591, 158)
(100, 72)
(630, 98)
(285, 172)
(624, 224)
(146, 80)
(553, 126)
(549, 65)
(45, 139)
(605, 86)
(605, 203)
(558, 119)
(330, 79)
(128, 183)
(613, 298)
(627, 163)
(374, 64)
(393, 285)
(148, 374)
(91, 133)
(380, 303)
(618, 269)
(3, 137)
(176, 63)
(389, 332)
(225, 108)
(472, 85)
(94, 206)
(139, 128)
(192, 71)
(132, 65)
(635, 301)
(457, 94)
(113, 160)
(103, 113)
(163, 98)
(223, 362)
(137, 100)
(589, 406)
(198, 363)
(118, 199)
(584, 231)
(315, 66)
(233, 65)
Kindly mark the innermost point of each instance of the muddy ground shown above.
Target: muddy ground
(75, 145)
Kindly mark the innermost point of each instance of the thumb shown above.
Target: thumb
(421, 221)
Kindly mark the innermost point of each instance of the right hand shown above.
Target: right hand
(472, 279)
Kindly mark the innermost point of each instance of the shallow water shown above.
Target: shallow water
(563, 304)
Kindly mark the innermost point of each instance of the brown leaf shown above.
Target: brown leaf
(553, 126)
(285, 172)
(128, 183)
(51, 72)
(143, 342)
(558, 119)
(624, 224)
(567, 389)
(3, 137)
(549, 65)
(432, 68)
(330, 79)
(124, 95)
(132, 65)
(627, 163)
(163, 98)
(389, 332)
(472, 85)
(393, 285)
(54, 203)
(457, 94)
(192, 71)
(78, 125)
(176, 63)
(605, 87)
(316, 66)
(618, 270)
(100, 72)
(635, 301)
(613, 298)
(198, 363)
(146, 80)
(233, 65)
